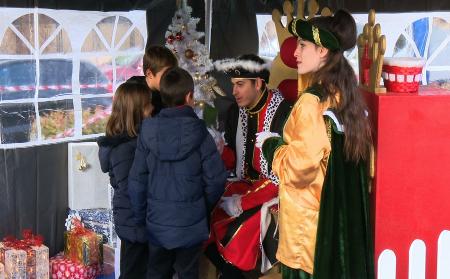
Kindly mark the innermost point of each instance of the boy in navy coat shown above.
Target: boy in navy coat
(176, 179)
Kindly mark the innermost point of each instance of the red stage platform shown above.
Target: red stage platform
(411, 190)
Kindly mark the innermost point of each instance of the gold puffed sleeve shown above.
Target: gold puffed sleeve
(302, 160)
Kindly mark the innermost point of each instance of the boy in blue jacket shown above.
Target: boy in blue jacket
(176, 179)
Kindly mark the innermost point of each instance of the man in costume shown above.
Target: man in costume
(243, 234)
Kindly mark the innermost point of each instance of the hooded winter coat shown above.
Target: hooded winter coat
(176, 179)
(116, 156)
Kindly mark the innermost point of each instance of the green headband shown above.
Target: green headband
(307, 31)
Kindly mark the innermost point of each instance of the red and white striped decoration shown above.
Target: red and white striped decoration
(52, 87)
(402, 74)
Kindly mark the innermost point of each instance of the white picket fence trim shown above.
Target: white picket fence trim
(387, 265)
(443, 260)
(387, 261)
(417, 255)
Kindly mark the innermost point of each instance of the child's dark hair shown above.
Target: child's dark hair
(137, 79)
(132, 103)
(339, 81)
(157, 58)
(176, 83)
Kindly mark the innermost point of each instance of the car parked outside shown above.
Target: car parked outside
(18, 87)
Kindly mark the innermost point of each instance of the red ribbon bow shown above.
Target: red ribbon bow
(28, 240)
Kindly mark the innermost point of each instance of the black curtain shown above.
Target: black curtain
(83, 5)
(261, 6)
(160, 15)
(234, 31)
(386, 6)
(33, 192)
(363, 6)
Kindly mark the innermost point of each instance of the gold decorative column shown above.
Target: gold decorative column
(371, 49)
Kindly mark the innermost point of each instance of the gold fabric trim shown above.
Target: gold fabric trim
(294, 27)
(248, 110)
(329, 127)
(262, 186)
(234, 235)
(316, 35)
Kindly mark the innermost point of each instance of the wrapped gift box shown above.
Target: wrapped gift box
(15, 264)
(64, 268)
(37, 262)
(96, 215)
(99, 220)
(106, 230)
(83, 246)
(26, 258)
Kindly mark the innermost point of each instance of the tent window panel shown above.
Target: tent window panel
(55, 77)
(57, 81)
(93, 43)
(95, 114)
(128, 66)
(133, 41)
(25, 26)
(60, 44)
(106, 27)
(17, 79)
(17, 123)
(122, 31)
(47, 27)
(12, 44)
(56, 119)
(92, 75)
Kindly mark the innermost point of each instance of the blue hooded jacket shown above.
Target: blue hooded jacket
(116, 156)
(176, 178)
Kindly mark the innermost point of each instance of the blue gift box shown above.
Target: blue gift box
(99, 220)
(99, 215)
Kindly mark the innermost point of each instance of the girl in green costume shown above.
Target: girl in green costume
(321, 160)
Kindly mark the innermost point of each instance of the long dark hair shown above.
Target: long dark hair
(340, 85)
(132, 102)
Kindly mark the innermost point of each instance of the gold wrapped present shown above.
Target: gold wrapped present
(83, 246)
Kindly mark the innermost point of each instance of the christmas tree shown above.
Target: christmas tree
(193, 56)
